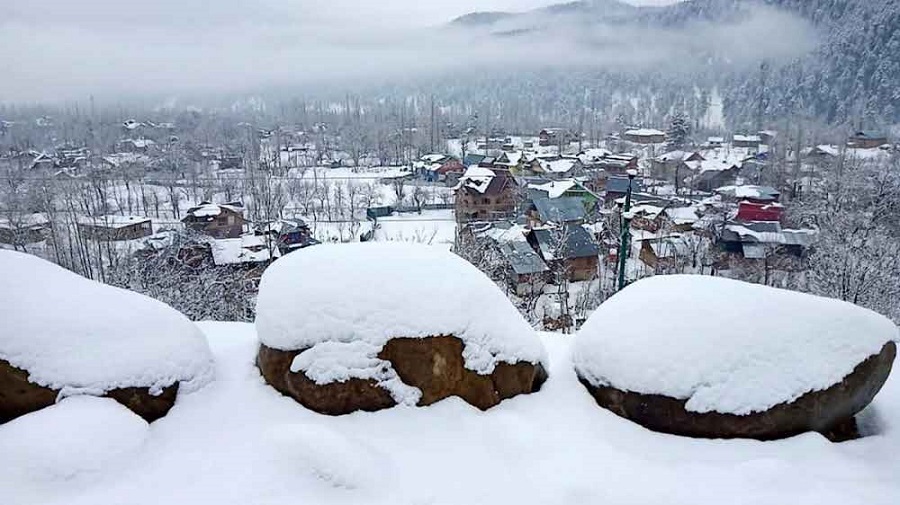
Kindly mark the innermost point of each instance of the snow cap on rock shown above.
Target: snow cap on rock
(75, 334)
(373, 292)
(725, 346)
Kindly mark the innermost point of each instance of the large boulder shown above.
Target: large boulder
(365, 327)
(716, 358)
(64, 335)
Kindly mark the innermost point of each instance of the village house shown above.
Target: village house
(664, 252)
(139, 145)
(289, 235)
(438, 167)
(768, 137)
(543, 211)
(570, 188)
(645, 136)
(648, 217)
(483, 194)
(115, 228)
(217, 221)
(765, 241)
(555, 136)
(562, 168)
(752, 212)
(715, 174)
(250, 250)
(569, 249)
(749, 193)
(527, 271)
(867, 140)
(675, 163)
(23, 230)
(746, 141)
(715, 142)
(617, 187)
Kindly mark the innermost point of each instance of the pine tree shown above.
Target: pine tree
(679, 130)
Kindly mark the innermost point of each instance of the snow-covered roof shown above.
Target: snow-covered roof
(207, 209)
(113, 221)
(645, 132)
(503, 232)
(683, 215)
(560, 166)
(476, 178)
(556, 189)
(71, 332)
(35, 220)
(244, 249)
(311, 299)
(672, 156)
(723, 345)
(646, 210)
(594, 154)
(747, 138)
(522, 258)
(753, 192)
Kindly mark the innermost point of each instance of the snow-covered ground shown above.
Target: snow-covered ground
(431, 227)
(237, 441)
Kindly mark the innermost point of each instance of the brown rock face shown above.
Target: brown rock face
(19, 396)
(332, 399)
(829, 412)
(435, 365)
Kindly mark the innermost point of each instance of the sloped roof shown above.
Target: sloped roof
(578, 243)
(522, 258)
(559, 210)
(620, 185)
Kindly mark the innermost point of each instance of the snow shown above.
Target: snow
(78, 335)
(477, 178)
(683, 215)
(431, 227)
(207, 210)
(725, 346)
(373, 292)
(244, 249)
(644, 132)
(555, 189)
(239, 442)
(755, 192)
(329, 362)
(76, 439)
(562, 166)
(113, 221)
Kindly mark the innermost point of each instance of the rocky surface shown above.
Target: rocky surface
(830, 411)
(434, 365)
(19, 396)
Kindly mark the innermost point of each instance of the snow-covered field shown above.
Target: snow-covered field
(237, 441)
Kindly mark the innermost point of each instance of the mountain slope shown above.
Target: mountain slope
(848, 73)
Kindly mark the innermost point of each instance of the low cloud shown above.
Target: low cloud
(68, 50)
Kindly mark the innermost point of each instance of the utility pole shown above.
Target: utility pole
(626, 230)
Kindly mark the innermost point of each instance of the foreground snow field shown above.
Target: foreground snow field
(237, 441)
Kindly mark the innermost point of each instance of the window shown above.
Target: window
(230, 220)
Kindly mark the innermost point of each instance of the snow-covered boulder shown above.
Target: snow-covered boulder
(367, 326)
(63, 335)
(711, 357)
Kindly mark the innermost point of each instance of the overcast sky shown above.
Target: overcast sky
(64, 49)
